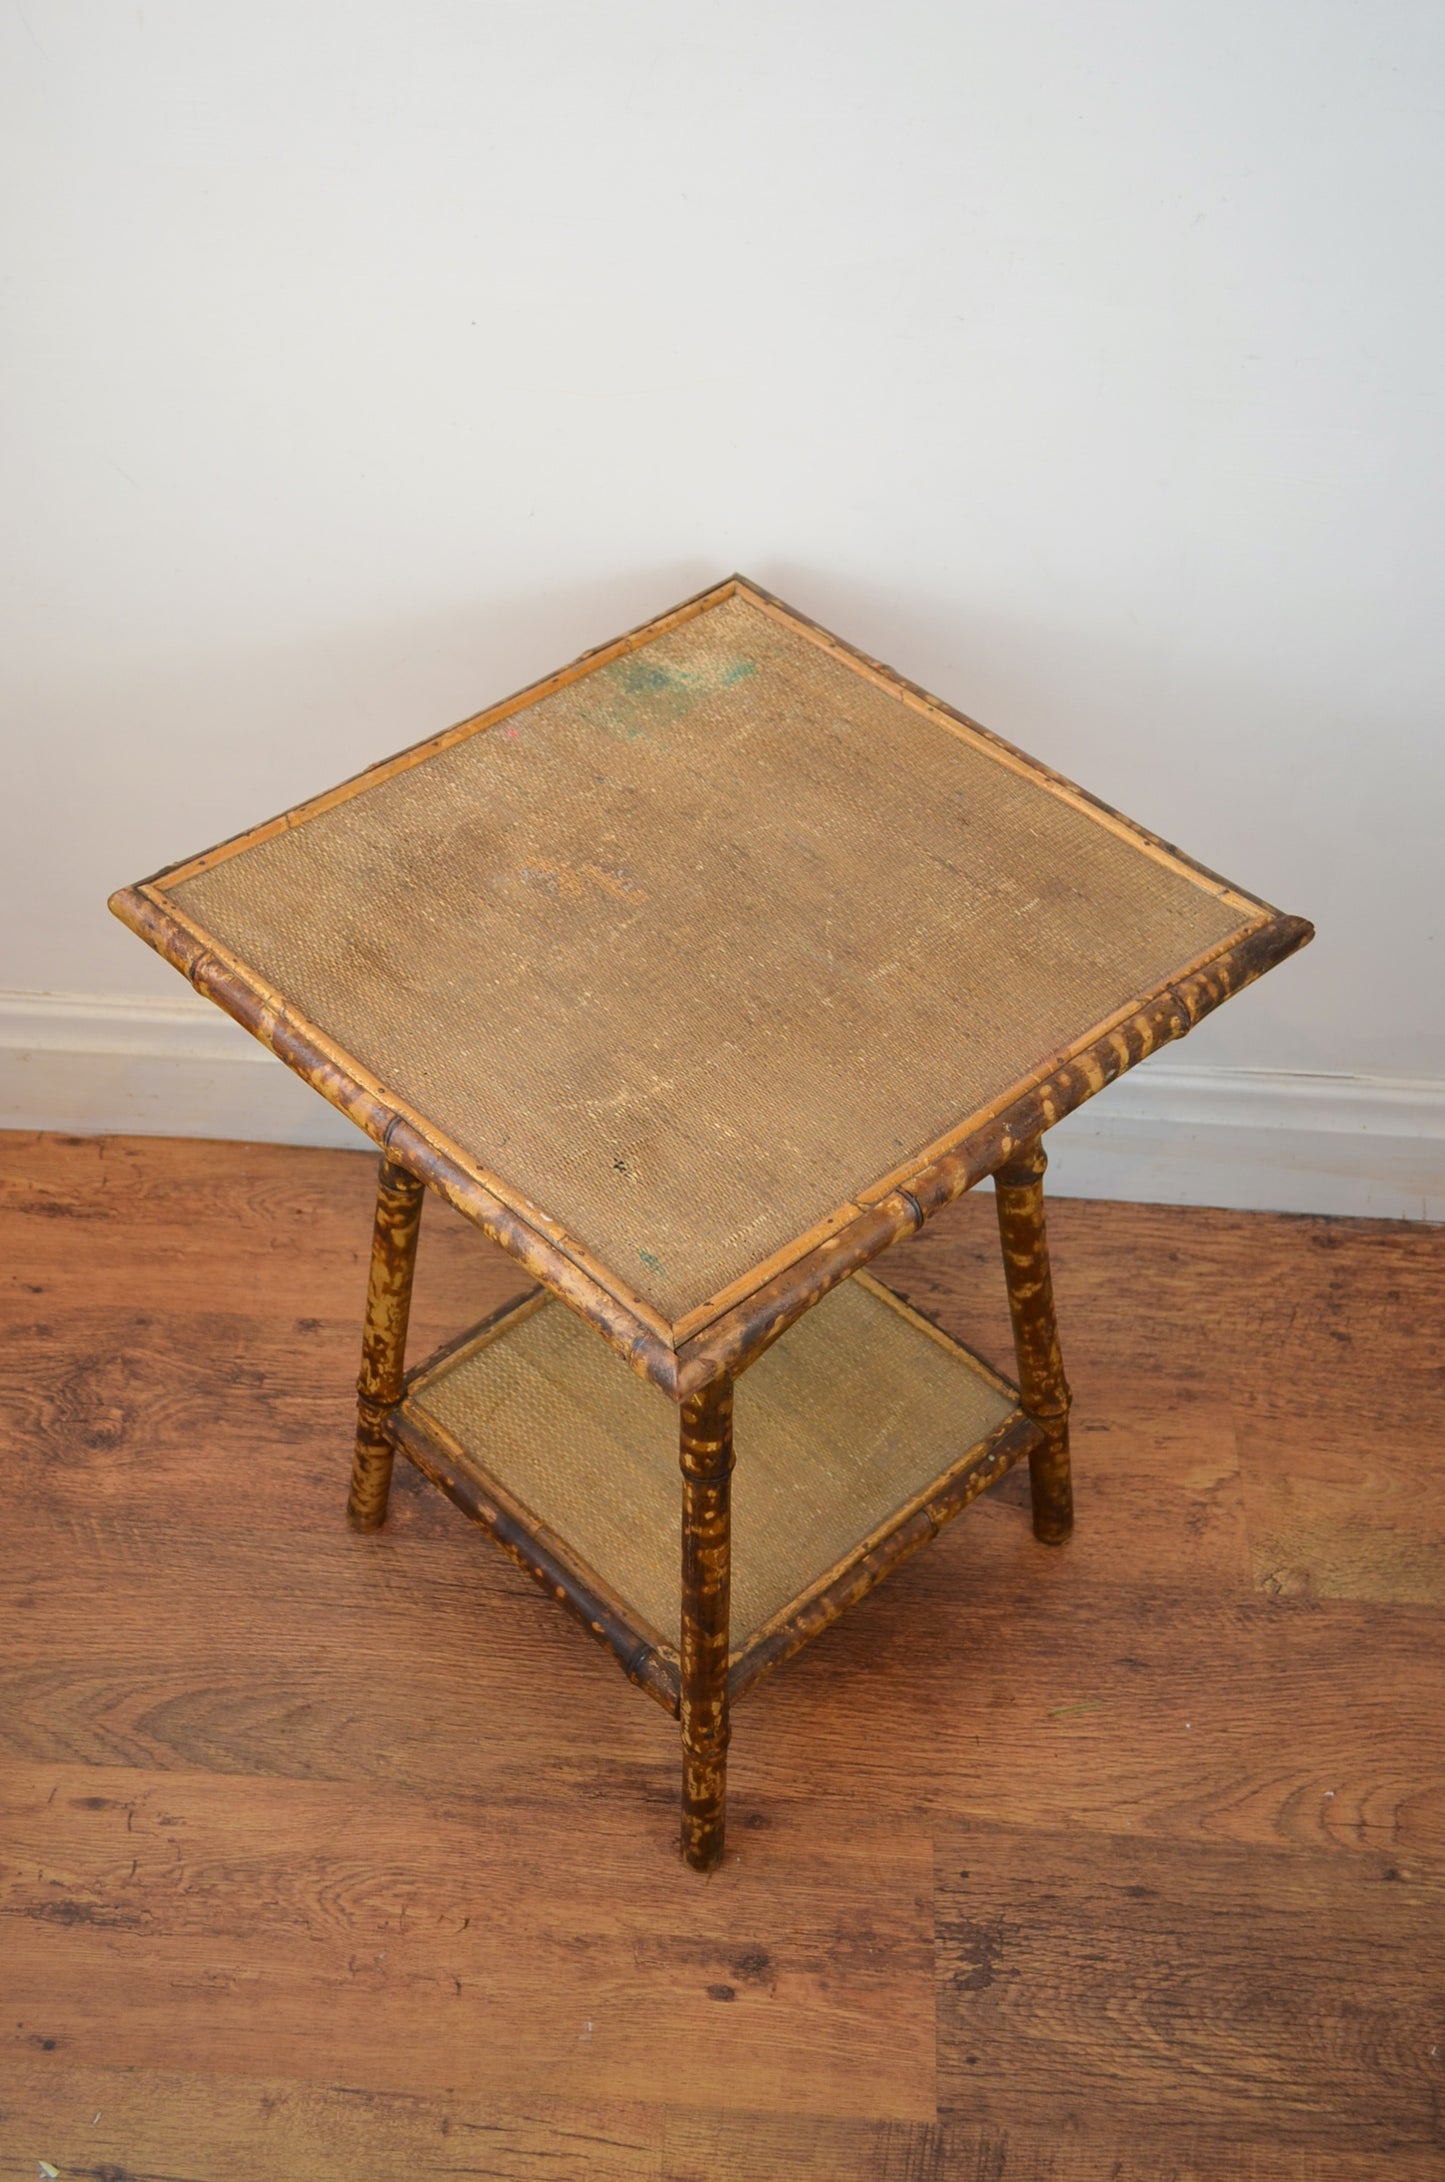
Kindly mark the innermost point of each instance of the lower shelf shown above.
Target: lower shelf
(857, 1435)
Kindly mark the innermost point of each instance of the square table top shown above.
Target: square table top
(674, 967)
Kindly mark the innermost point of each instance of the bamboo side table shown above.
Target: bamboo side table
(697, 975)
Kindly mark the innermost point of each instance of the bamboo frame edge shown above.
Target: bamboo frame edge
(479, 1335)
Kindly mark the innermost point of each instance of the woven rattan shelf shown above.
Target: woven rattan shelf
(697, 975)
(866, 1430)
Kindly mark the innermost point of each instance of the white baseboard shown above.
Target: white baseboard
(1258, 1139)
(97, 1067)
(1261, 1140)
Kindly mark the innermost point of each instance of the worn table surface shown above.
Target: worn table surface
(696, 949)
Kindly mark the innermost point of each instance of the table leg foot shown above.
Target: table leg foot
(704, 1808)
(1051, 1485)
(366, 1503)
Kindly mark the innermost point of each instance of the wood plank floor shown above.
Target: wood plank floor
(337, 1857)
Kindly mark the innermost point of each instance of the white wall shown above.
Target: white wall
(1079, 357)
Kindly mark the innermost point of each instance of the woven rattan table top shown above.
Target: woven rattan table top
(690, 956)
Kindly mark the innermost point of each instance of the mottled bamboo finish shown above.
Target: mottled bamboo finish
(383, 1342)
(706, 1452)
(1043, 1389)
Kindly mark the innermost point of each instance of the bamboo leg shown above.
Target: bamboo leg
(383, 1343)
(706, 1451)
(1019, 1195)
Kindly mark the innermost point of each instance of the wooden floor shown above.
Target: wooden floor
(343, 1858)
